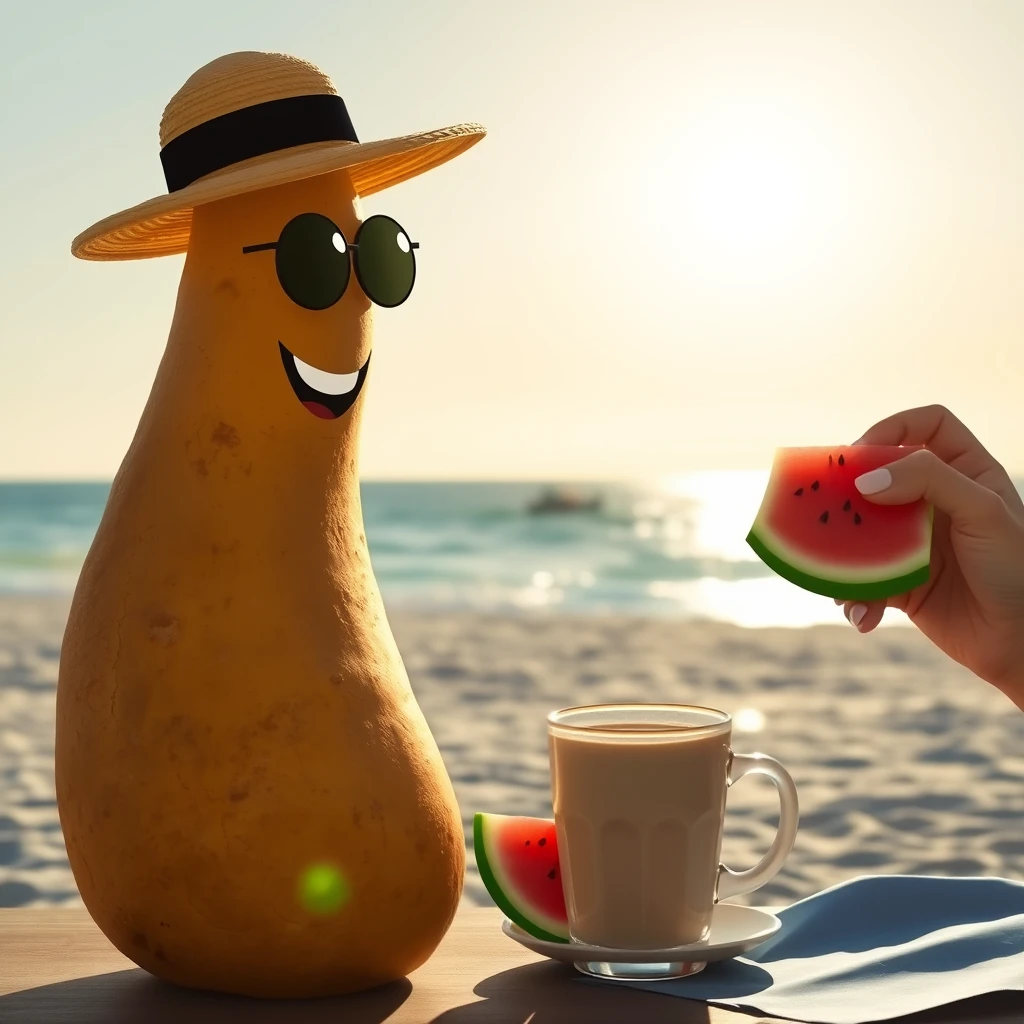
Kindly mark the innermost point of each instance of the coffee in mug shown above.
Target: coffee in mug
(639, 794)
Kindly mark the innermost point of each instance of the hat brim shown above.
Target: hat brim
(161, 226)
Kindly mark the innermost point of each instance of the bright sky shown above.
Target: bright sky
(696, 231)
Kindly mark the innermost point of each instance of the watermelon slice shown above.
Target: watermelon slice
(518, 862)
(818, 531)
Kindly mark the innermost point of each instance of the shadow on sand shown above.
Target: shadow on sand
(549, 993)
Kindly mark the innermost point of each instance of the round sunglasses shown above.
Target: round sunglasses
(314, 261)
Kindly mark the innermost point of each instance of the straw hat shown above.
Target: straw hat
(248, 121)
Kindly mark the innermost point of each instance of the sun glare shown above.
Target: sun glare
(754, 191)
(747, 197)
(727, 502)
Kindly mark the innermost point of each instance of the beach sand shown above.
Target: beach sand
(904, 761)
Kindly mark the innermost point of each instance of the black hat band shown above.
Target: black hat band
(254, 131)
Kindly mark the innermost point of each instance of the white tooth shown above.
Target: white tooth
(324, 382)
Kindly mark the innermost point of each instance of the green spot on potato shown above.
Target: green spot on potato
(323, 889)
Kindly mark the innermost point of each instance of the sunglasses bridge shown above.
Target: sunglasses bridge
(263, 246)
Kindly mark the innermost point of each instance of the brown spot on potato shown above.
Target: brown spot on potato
(140, 940)
(200, 467)
(337, 680)
(227, 286)
(160, 954)
(91, 693)
(226, 435)
(164, 924)
(357, 819)
(247, 468)
(238, 794)
(164, 629)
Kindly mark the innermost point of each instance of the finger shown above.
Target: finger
(922, 474)
(940, 431)
(864, 616)
(931, 425)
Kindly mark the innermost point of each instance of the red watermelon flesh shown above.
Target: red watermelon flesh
(518, 862)
(818, 531)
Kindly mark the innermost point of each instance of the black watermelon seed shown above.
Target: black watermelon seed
(815, 485)
(830, 460)
(846, 505)
(823, 518)
(541, 842)
(856, 519)
(799, 491)
(552, 873)
(527, 842)
(842, 461)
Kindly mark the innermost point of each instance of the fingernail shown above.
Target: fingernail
(873, 482)
(857, 613)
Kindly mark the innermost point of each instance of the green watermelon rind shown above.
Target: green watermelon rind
(497, 891)
(842, 590)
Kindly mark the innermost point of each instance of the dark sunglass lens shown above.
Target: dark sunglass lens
(312, 261)
(385, 261)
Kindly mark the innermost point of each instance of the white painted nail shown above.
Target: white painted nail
(857, 613)
(873, 482)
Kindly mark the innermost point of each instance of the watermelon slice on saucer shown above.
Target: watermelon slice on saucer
(518, 862)
(815, 529)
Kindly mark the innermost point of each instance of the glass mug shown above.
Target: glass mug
(639, 799)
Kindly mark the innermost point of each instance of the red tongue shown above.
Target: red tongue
(317, 409)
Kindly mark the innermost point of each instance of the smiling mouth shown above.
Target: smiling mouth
(327, 395)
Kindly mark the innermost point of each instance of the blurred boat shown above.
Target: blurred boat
(561, 499)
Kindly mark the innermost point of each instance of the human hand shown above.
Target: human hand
(972, 606)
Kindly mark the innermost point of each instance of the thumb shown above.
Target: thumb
(922, 474)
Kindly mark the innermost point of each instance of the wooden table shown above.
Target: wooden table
(56, 967)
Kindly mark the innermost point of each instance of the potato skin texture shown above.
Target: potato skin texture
(232, 708)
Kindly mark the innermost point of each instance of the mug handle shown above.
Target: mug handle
(734, 883)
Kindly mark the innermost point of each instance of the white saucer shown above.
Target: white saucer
(734, 930)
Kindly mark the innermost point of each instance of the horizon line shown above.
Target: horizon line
(512, 479)
(1016, 475)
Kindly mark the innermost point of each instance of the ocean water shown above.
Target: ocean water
(675, 548)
